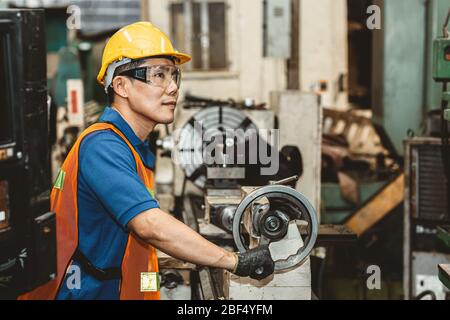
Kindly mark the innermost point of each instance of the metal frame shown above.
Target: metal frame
(407, 216)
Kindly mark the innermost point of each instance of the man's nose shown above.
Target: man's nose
(172, 88)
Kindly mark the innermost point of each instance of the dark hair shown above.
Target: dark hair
(132, 65)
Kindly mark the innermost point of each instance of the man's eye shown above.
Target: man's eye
(159, 75)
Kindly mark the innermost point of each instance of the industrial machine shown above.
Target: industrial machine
(441, 73)
(427, 209)
(217, 150)
(27, 228)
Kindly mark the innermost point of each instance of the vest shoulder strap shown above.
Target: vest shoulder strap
(109, 126)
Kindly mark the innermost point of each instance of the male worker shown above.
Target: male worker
(108, 221)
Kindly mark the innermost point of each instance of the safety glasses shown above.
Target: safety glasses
(157, 75)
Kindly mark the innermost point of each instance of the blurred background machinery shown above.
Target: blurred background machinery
(27, 228)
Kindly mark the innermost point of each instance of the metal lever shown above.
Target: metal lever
(284, 181)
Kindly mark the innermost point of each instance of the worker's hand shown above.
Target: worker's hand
(256, 263)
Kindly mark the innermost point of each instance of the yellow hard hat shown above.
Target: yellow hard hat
(136, 41)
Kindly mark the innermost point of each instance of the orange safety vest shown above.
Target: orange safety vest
(139, 257)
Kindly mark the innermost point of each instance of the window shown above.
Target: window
(107, 15)
(96, 16)
(199, 29)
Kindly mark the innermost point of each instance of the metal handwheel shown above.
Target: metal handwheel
(273, 208)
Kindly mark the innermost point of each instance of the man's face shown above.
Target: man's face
(154, 102)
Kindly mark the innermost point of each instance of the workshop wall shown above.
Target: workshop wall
(322, 56)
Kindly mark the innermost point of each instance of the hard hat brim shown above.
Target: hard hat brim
(180, 58)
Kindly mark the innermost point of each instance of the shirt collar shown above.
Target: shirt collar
(143, 148)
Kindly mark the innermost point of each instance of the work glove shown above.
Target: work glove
(256, 263)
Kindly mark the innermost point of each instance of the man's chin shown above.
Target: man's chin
(162, 117)
(166, 120)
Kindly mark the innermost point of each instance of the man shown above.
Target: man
(108, 221)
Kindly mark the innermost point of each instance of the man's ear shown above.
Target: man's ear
(120, 86)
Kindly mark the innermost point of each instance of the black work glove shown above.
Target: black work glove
(256, 263)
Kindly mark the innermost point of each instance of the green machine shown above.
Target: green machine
(441, 65)
(441, 49)
(441, 73)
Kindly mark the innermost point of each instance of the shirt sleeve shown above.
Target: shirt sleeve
(107, 165)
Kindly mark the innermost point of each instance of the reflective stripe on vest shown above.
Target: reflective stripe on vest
(139, 258)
